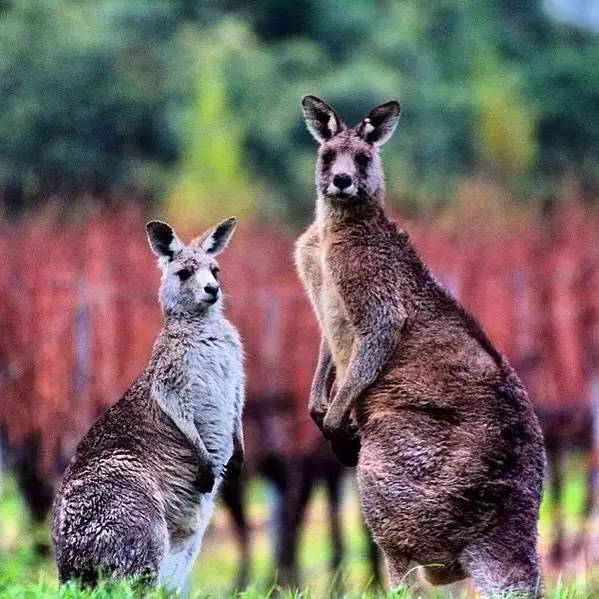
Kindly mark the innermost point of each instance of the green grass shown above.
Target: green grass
(126, 590)
(23, 575)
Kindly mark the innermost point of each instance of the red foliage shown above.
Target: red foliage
(78, 312)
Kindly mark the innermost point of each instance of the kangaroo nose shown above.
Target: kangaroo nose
(211, 290)
(341, 181)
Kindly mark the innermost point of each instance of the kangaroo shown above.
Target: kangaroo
(451, 460)
(138, 494)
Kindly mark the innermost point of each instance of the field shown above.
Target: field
(25, 576)
(118, 112)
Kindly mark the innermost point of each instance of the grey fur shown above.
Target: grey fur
(138, 494)
(451, 458)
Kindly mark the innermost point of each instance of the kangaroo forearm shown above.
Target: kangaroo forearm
(233, 467)
(370, 355)
(173, 403)
(206, 474)
(201, 451)
(324, 376)
(189, 429)
(321, 386)
(238, 442)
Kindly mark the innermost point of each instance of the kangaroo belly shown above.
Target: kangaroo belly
(176, 564)
(182, 552)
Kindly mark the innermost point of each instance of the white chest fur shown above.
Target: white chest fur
(215, 375)
(198, 382)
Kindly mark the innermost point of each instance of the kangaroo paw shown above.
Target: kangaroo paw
(346, 446)
(232, 468)
(205, 480)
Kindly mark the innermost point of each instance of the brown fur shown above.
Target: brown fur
(137, 496)
(451, 463)
(160, 486)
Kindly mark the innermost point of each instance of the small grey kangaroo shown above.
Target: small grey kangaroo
(138, 494)
(448, 447)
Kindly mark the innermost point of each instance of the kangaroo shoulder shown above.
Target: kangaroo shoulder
(308, 254)
(168, 367)
(308, 240)
(233, 345)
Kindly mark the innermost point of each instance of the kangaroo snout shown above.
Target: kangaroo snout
(212, 291)
(342, 181)
(342, 186)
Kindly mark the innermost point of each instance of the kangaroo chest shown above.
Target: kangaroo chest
(326, 301)
(215, 368)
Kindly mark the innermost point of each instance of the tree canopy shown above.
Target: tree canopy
(177, 99)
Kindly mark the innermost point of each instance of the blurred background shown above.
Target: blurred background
(112, 111)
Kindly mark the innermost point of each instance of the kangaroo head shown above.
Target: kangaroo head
(348, 164)
(189, 272)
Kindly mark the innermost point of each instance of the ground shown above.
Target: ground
(25, 576)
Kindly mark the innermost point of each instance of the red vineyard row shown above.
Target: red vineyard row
(78, 311)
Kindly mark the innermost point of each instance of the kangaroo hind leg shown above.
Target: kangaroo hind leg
(504, 565)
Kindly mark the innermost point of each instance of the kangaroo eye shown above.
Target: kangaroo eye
(184, 274)
(362, 159)
(327, 157)
(215, 270)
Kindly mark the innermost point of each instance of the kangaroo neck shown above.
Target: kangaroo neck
(334, 214)
(191, 322)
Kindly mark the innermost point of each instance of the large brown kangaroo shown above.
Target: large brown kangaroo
(451, 456)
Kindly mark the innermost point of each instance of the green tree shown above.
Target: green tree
(86, 90)
(198, 102)
(212, 181)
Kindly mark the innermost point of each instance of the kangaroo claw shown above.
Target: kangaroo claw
(205, 481)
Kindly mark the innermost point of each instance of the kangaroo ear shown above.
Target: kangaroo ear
(379, 125)
(215, 240)
(322, 121)
(162, 238)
